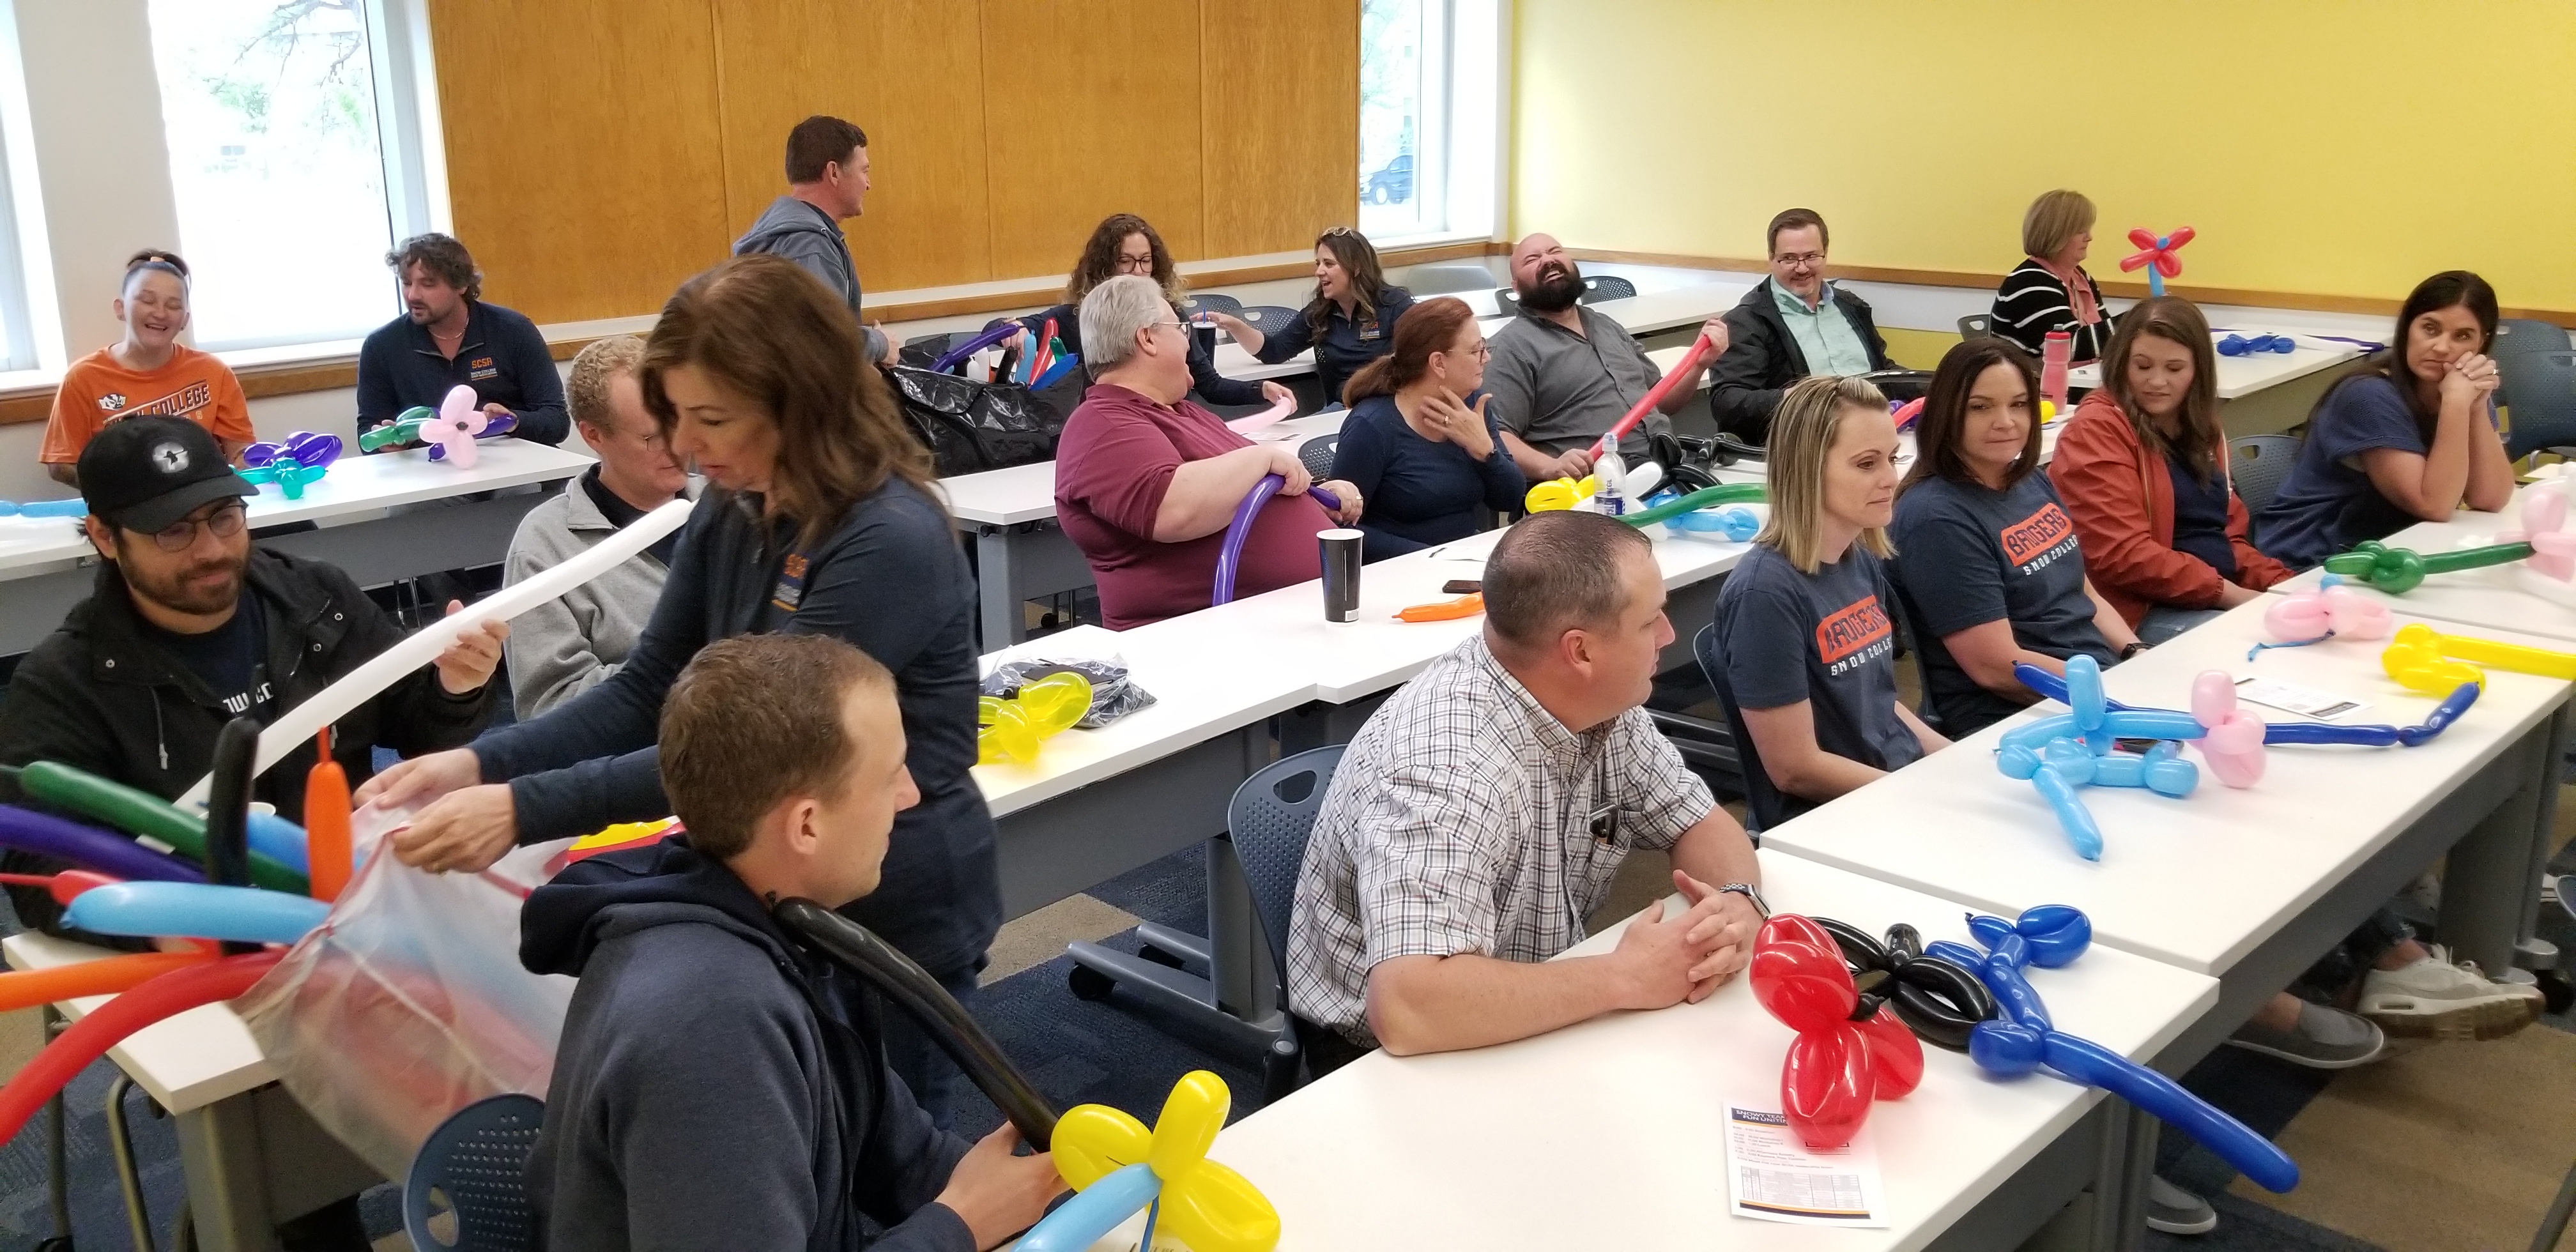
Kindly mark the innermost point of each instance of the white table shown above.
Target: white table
(251, 1154)
(45, 563)
(2492, 598)
(1606, 1134)
(2248, 885)
(2245, 375)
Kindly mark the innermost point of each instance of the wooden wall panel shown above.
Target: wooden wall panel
(1091, 108)
(909, 72)
(582, 158)
(1281, 144)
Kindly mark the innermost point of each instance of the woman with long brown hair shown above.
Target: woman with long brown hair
(1123, 244)
(818, 518)
(1418, 443)
(1349, 323)
(2142, 468)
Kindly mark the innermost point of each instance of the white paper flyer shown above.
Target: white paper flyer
(1770, 1175)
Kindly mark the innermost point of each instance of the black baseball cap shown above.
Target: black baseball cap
(145, 473)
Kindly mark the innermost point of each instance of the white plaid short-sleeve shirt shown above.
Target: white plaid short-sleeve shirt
(1466, 818)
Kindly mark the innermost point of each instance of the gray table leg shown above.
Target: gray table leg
(257, 1159)
(2490, 882)
(2530, 950)
(2135, 1161)
(1001, 609)
(1239, 964)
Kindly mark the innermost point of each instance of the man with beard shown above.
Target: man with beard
(449, 336)
(1563, 375)
(190, 627)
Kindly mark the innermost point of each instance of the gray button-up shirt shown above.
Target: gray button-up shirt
(1559, 390)
(1466, 818)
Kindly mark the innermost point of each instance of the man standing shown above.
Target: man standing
(827, 183)
(448, 336)
(1479, 817)
(1563, 375)
(1790, 325)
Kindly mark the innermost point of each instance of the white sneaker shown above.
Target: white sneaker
(2435, 999)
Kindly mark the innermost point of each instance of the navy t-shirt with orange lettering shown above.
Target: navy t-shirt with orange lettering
(1967, 555)
(1827, 638)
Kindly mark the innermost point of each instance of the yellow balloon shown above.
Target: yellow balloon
(1093, 1141)
(1005, 734)
(1214, 1209)
(2512, 656)
(2415, 660)
(1056, 701)
(1558, 494)
(1192, 1115)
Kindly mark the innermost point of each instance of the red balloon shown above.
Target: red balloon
(1836, 1066)
(2182, 235)
(90, 1037)
(2142, 239)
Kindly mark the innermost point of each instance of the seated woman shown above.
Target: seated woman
(2050, 290)
(1124, 243)
(147, 371)
(1987, 561)
(2143, 471)
(1350, 322)
(1804, 622)
(1419, 443)
(1146, 482)
(2409, 435)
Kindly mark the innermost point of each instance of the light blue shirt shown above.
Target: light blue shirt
(1825, 337)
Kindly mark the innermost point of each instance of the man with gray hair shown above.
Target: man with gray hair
(1146, 482)
(1479, 817)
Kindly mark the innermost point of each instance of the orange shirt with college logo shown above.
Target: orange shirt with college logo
(97, 390)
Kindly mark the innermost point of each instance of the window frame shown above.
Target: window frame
(1459, 182)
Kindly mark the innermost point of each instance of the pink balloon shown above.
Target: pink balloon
(2290, 619)
(2213, 697)
(2356, 616)
(2234, 750)
(452, 432)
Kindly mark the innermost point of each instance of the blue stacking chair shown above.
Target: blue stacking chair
(468, 1187)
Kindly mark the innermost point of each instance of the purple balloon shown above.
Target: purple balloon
(1230, 555)
(992, 335)
(313, 449)
(90, 848)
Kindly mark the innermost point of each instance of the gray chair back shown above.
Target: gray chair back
(1269, 319)
(468, 1185)
(1214, 302)
(1976, 325)
(2543, 385)
(2258, 463)
(1316, 454)
(1446, 279)
(2517, 336)
(1606, 287)
(1269, 819)
(1764, 806)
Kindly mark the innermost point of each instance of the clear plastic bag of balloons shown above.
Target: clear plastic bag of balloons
(410, 1002)
(1113, 693)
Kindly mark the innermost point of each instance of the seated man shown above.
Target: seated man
(1563, 375)
(1479, 816)
(190, 627)
(448, 336)
(1147, 482)
(568, 645)
(1790, 325)
(717, 1085)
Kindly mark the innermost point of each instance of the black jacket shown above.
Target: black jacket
(716, 1085)
(98, 695)
(1762, 359)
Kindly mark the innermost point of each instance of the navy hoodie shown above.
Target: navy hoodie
(717, 1086)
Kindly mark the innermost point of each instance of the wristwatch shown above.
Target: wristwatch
(2135, 647)
(1752, 893)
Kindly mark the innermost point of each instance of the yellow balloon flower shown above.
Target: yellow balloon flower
(1558, 494)
(2425, 660)
(1204, 1204)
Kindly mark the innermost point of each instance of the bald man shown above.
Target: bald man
(1563, 375)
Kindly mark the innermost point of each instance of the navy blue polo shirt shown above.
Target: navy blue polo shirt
(502, 358)
(1346, 343)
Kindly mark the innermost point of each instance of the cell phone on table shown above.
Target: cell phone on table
(1462, 587)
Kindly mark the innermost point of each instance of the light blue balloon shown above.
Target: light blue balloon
(2035, 735)
(196, 911)
(2081, 832)
(2152, 724)
(74, 507)
(2084, 691)
(279, 840)
(1081, 1221)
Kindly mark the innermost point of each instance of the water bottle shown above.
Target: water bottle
(2055, 352)
(1611, 498)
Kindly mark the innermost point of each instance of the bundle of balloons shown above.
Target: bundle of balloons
(263, 882)
(1734, 522)
(450, 429)
(2544, 543)
(301, 459)
(1859, 1007)
(1013, 726)
(1683, 511)
(2158, 255)
(2058, 754)
(1116, 1166)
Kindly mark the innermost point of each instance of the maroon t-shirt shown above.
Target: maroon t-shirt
(1113, 464)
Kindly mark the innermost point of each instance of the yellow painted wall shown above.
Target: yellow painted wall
(2337, 148)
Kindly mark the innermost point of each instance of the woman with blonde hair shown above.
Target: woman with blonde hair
(2049, 290)
(1806, 627)
(819, 518)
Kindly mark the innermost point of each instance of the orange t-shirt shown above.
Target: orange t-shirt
(97, 390)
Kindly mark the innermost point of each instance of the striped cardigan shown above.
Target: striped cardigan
(2032, 303)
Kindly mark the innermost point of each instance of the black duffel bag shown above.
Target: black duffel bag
(971, 427)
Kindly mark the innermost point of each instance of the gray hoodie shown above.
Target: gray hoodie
(798, 231)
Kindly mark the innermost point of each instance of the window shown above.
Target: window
(275, 122)
(1430, 73)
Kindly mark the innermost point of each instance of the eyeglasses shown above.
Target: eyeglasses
(179, 536)
(1182, 327)
(1136, 264)
(1484, 351)
(1804, 260)
(1339, 231)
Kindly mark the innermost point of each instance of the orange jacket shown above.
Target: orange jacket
(2123, 507)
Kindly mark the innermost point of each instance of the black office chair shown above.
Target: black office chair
(1764, 806)
(2544, 407)
(468, 1186)
(1976, 325)
(1266, 828)
(1596, 290)
(1507, 301)
(1212, 302)
(1316, 455)
(2521, 336)
(2257, 464)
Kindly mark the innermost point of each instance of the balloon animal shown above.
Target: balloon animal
(2157, 255)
